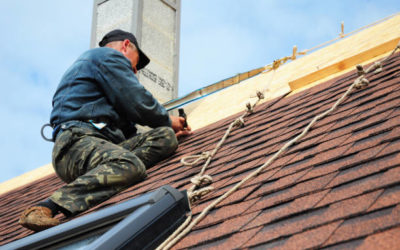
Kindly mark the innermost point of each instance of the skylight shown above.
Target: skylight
(140, 223)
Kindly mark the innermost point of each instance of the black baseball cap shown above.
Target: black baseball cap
(120, 35)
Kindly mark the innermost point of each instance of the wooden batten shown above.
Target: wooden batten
(346, 53)
(346, 63)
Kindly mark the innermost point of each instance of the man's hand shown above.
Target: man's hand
(178, 126)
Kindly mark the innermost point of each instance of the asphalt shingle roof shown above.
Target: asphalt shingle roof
(338, 187)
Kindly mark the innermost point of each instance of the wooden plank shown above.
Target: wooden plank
(344, 64)
(26, 178)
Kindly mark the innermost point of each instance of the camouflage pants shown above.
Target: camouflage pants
(96, 169)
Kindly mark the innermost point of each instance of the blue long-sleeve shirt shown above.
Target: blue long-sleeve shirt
(102, 85)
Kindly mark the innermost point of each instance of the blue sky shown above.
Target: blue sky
(219, 38)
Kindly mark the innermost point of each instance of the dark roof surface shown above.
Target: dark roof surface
(339, 186)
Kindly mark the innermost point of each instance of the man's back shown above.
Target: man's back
(79, 96)
(102, 86)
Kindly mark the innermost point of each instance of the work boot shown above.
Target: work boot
(37, 219)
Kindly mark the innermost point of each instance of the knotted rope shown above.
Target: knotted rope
(361, 81)
(200, 181)
(183, 230)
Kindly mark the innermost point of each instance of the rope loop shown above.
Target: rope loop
(191, 160)
(198, 194)
(361, 82)
(201, 181)
(239, 122)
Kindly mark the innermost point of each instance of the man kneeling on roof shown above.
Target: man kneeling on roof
(97, 150)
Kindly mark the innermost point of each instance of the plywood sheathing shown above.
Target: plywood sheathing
(317, 66)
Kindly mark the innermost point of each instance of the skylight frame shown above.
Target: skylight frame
(116, 223)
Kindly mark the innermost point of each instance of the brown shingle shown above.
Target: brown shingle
(337, 187)
(388, 239)
(366, 225)
(311, 238)
(313, 218)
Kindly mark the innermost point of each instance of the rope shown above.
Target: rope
(198, 194)
(201, 180)
(194, 159)
(182, 231)
(260, 93)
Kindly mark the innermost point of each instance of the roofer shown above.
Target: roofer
(97, 150)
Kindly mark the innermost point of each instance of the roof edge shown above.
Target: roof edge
(26, 178)
(195, 95)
